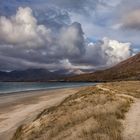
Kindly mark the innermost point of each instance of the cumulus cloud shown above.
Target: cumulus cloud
(21, 37)
(25, 43)
(23, 30)
(72, 40)
(98, 18)
(108, 52)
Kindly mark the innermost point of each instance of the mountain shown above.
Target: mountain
(126, 70)
(31, 75)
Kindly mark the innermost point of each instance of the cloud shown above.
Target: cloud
(131, 20)
(77, 6)
(72, 40)
(98, 18)
(107, 52)
(23, 30)
(21, 37)
(26, 43)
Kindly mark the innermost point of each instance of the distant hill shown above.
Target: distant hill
(32, 75)
(126, 70)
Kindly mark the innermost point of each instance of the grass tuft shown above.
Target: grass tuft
(94, 113)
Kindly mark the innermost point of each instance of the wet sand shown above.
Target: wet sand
(23, 107)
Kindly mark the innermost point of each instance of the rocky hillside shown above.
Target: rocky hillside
(126, 70)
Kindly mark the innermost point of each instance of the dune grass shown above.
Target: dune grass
(91, 114)
(131, 88)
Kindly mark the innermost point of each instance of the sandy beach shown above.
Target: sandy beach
(19, 108)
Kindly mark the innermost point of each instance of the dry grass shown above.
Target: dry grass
(131, 88)
(90, 114)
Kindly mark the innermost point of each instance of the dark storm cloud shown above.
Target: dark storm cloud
(50, 34)
(33, 42)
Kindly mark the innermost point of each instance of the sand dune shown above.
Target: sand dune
(23, 107)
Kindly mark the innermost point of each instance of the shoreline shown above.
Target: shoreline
(105, 111)
(23, 107)
(45, 89)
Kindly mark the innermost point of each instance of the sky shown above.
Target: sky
(82, 35)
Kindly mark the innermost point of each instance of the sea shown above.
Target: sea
(13, 87)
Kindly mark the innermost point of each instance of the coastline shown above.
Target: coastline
(22, 107)
(105, 111)
(46, 89)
